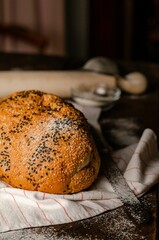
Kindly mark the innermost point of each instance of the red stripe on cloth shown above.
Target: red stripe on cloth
(134, 188)
(81, 196)
(101, 194)
(137, 168)
(143, 184)
(39, 208)
(43, 196)
(5, 220)
(44, 214)
(151, 174)
(63, 209)
(87, 210)
(146, 164)
(104, 207)
(148, 146)
(25, 194)
(132, 168)
(26, 221)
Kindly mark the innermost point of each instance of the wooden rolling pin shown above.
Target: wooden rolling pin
(57, 82)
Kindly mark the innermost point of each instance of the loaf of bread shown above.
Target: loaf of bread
(45, 144)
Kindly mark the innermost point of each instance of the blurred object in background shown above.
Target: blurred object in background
(17, 33)
(32, 26)
(77, 28)
(125, 29)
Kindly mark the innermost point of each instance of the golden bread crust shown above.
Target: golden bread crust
(45, 144)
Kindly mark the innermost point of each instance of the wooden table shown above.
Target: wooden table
(142, 112)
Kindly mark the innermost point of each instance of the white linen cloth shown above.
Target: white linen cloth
(22, 209)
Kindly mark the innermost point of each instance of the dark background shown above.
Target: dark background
(120, 29)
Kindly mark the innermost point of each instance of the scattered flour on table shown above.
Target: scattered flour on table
(116, 227)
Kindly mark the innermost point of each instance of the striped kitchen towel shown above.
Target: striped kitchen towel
(139, 164)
